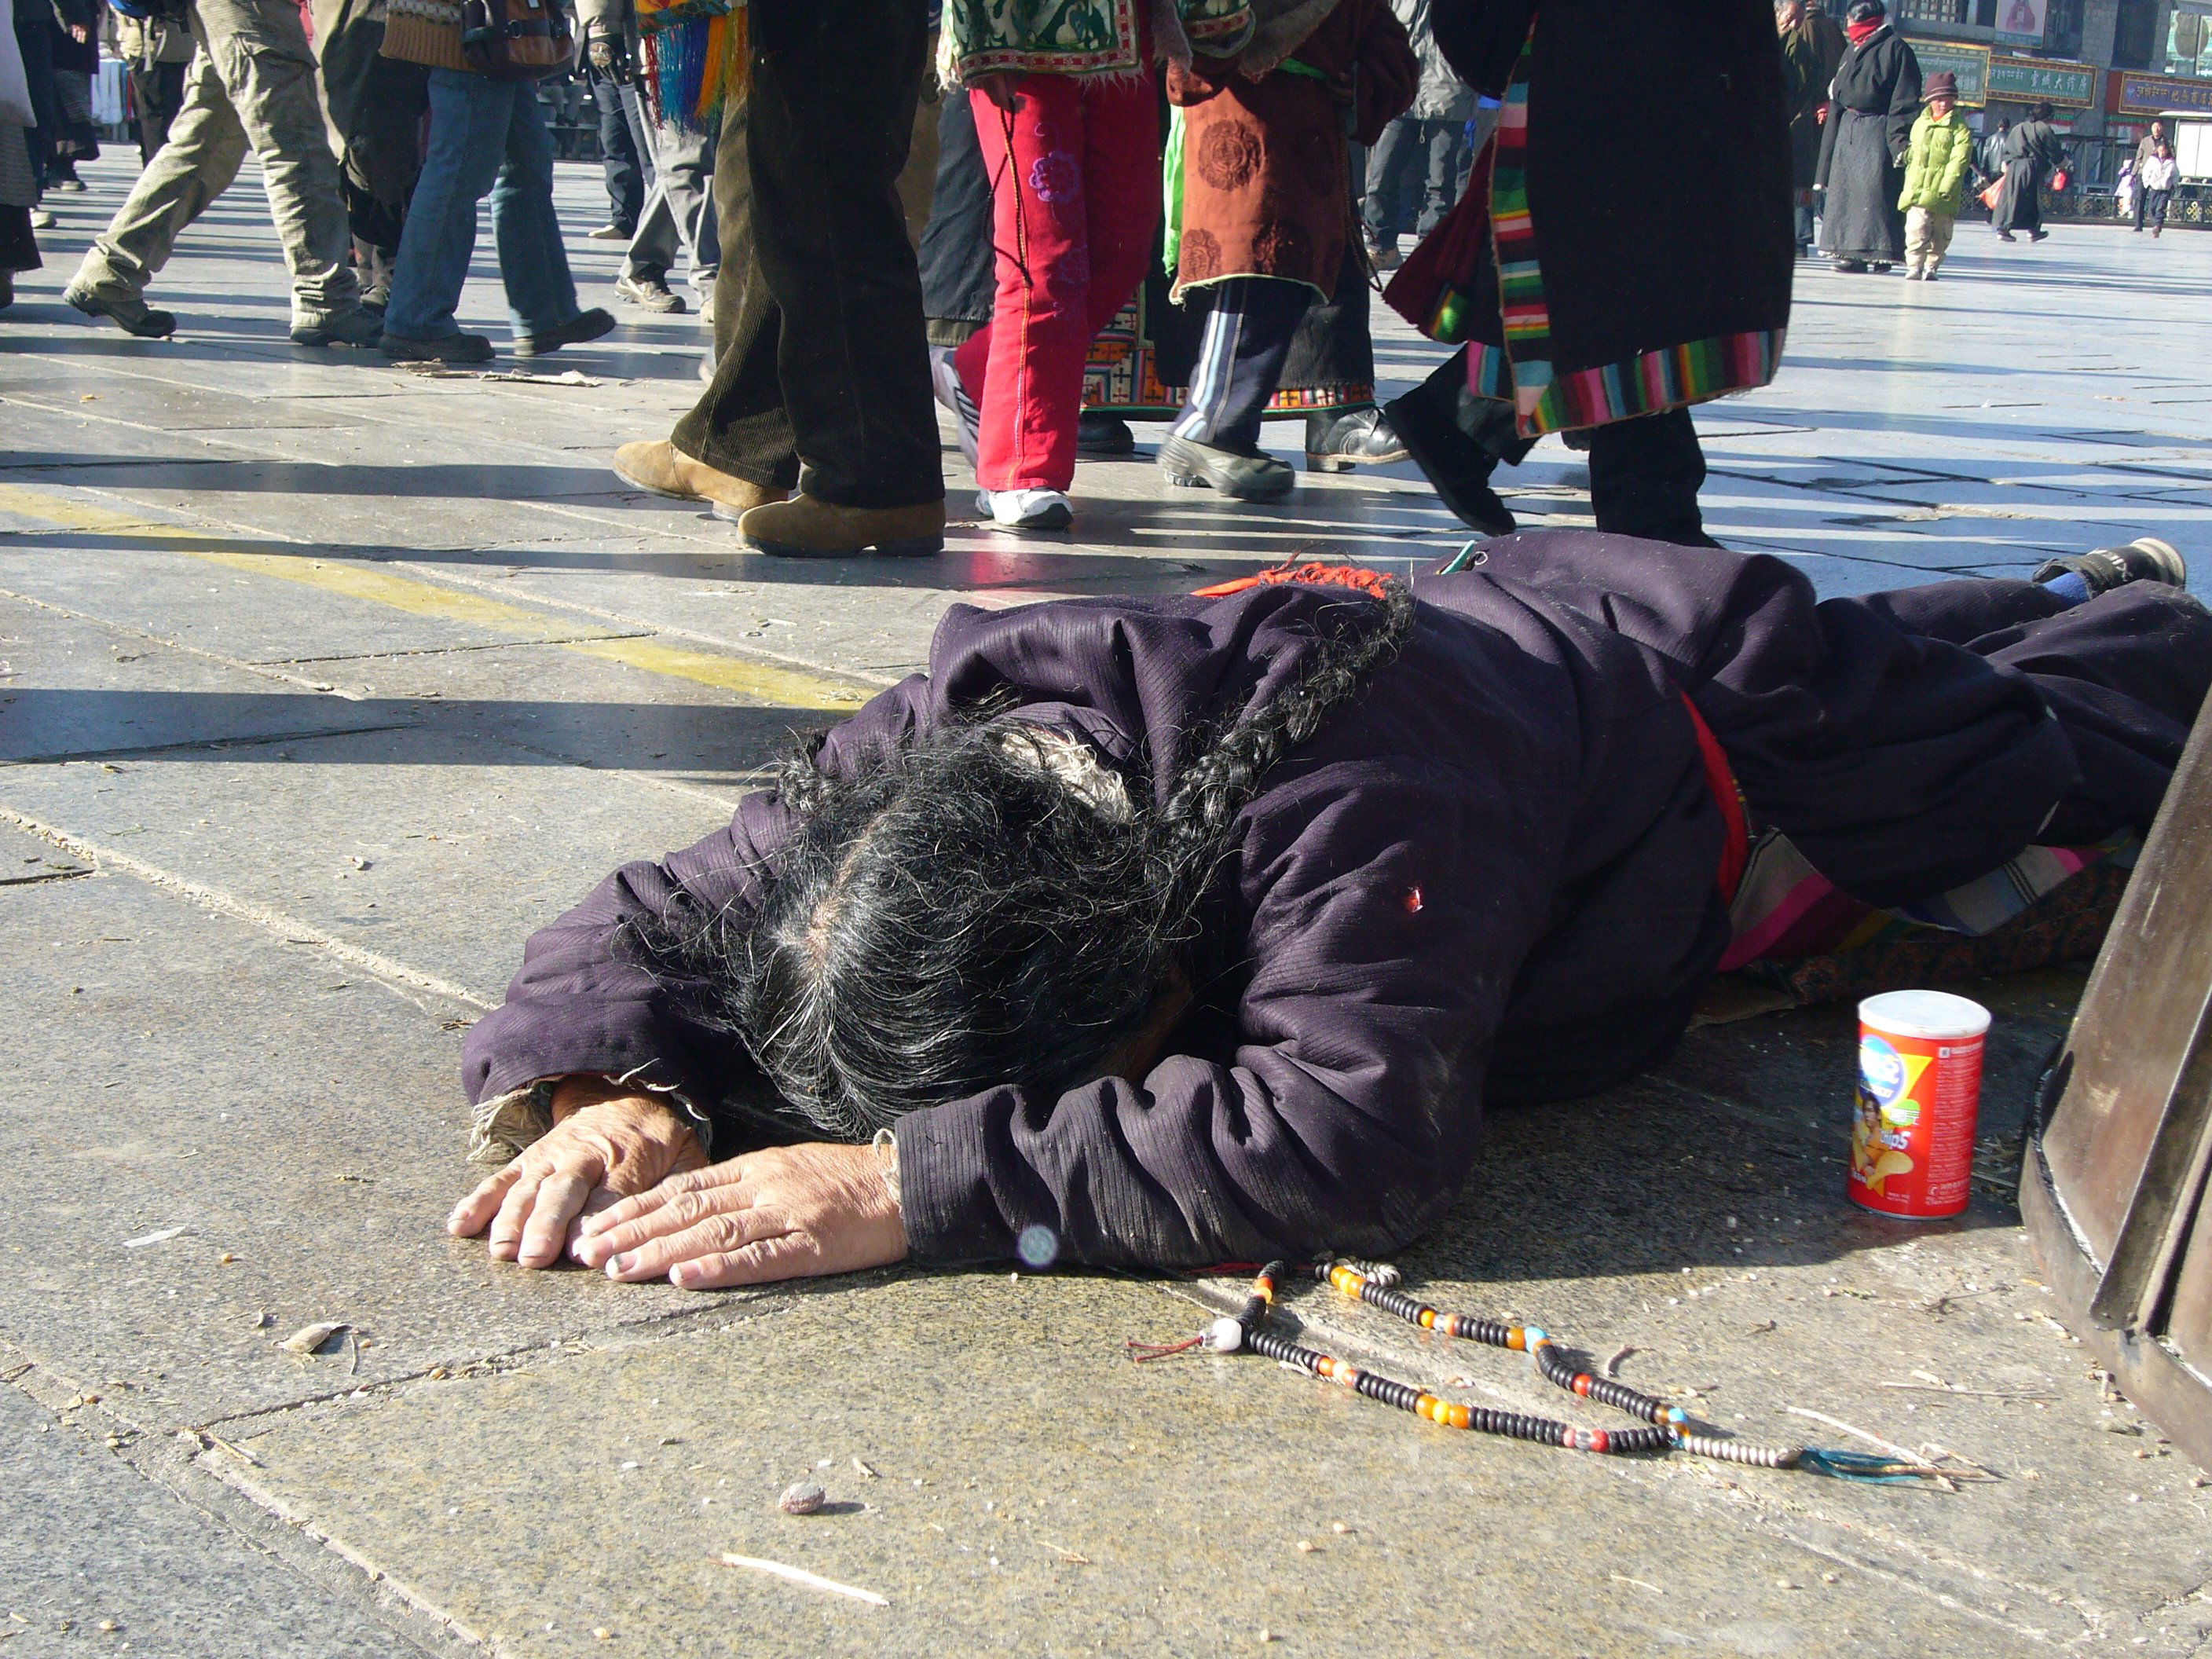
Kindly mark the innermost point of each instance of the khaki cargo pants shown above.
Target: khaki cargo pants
(251, 81)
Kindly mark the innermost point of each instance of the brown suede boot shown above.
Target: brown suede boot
(664, 470)
(805, 528)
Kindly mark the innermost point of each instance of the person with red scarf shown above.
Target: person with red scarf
(1873, 102)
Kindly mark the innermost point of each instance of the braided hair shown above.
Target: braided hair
(988, 904)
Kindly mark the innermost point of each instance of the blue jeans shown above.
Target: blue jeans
(487, 137)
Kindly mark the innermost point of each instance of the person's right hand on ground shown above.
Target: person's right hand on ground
(606, 1145)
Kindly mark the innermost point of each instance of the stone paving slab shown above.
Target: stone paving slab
(99, 1561)
(1037, 1494)
(400, 841)
(158, 1081)
(75, 688)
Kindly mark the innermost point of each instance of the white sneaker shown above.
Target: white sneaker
(945, 380)
(1026, 509)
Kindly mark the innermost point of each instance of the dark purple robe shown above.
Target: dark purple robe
(1491, 875)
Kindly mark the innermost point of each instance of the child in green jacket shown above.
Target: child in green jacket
(1934, 176)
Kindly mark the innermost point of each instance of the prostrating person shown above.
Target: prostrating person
(1875, 100)
(1623, 251)
(1267, 213)
(1168, 932)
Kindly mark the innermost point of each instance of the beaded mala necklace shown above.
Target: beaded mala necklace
(1670, 1430)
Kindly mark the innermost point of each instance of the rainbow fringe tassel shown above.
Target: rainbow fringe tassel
(696, 58)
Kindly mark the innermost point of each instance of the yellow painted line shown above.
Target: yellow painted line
(755, 682)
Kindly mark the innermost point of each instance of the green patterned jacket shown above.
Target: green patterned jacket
(1078, 37)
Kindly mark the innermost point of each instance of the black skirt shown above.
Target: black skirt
(1860, 219)
(19, 249)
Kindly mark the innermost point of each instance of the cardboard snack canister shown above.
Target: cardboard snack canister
(1919, 1095)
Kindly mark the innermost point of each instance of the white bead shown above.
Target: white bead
(1224, 1336)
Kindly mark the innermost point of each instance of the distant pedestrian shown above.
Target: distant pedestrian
(1875, 101)
(2032, 153)
(610, 63)
(675, 214)
(1990, 156)
(155, 48)
(2127, 194)
(1420, 148)
(1813, 44)
(75, 31)
(2154, 178)
(1935, 166)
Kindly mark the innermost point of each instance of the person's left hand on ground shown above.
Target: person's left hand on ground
(784, 1212)
(605, 1144)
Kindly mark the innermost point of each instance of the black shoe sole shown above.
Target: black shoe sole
(531, 345)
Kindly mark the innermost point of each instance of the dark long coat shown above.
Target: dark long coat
(1875, 100)
(1492, 875)
(2032, 154)
(1657, 186)
(1810, 53)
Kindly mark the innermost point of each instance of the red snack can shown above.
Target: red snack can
(1919, 1095)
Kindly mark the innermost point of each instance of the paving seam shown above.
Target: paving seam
(213, 437)
(220, 745)
(262, 670)
(164, 1461)
(439, 650)
(754, 778)
(289, 928)
(765, 684)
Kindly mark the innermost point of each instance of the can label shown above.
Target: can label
(1912, 1138)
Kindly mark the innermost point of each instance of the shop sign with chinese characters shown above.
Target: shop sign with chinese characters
(2027, 79)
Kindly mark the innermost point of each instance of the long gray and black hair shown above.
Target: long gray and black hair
(990, 904)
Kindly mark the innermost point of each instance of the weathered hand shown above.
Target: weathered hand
(999, 88)
(785, 1212)
(604, 1145)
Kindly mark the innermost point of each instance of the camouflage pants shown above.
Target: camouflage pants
(251, 84)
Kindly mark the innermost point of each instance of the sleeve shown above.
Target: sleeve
(1481, 39)
(1383, 946)
(1904, 101)
(1388, 78)
(1954, 170)
(1827, 148)
(581, 1005)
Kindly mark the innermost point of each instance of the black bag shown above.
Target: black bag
(516, 40)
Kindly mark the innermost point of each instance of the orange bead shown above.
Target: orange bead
(1428, 1319)
(1460, 1416)
(1516, 1339)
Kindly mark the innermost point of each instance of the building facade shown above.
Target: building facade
(2106, 66)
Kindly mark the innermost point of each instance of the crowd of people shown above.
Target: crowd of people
(1054, 224)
